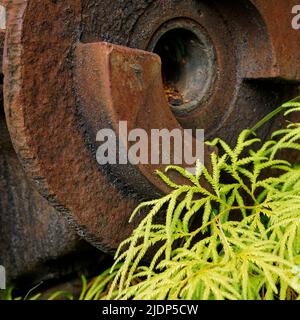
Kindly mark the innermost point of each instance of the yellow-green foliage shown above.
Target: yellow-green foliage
(203, 251)
(229, 233)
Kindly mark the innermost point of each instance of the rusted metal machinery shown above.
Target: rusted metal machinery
(231, 63)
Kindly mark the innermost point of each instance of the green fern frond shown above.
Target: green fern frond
(221, 240)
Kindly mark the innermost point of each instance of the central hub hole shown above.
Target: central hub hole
(187, 66)
(177, 51)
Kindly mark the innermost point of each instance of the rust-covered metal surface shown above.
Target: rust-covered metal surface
(114, 84)
(36, 242)
(45, 125)
(57, 68)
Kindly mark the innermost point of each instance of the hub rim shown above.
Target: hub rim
(189, 62)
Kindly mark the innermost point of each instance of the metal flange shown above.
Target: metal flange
(55, 76)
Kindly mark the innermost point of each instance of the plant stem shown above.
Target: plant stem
(267, 118)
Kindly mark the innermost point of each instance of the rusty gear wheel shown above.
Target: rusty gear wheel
(229, 60)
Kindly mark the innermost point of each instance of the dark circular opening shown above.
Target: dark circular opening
(187, 65)
(175, 50)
